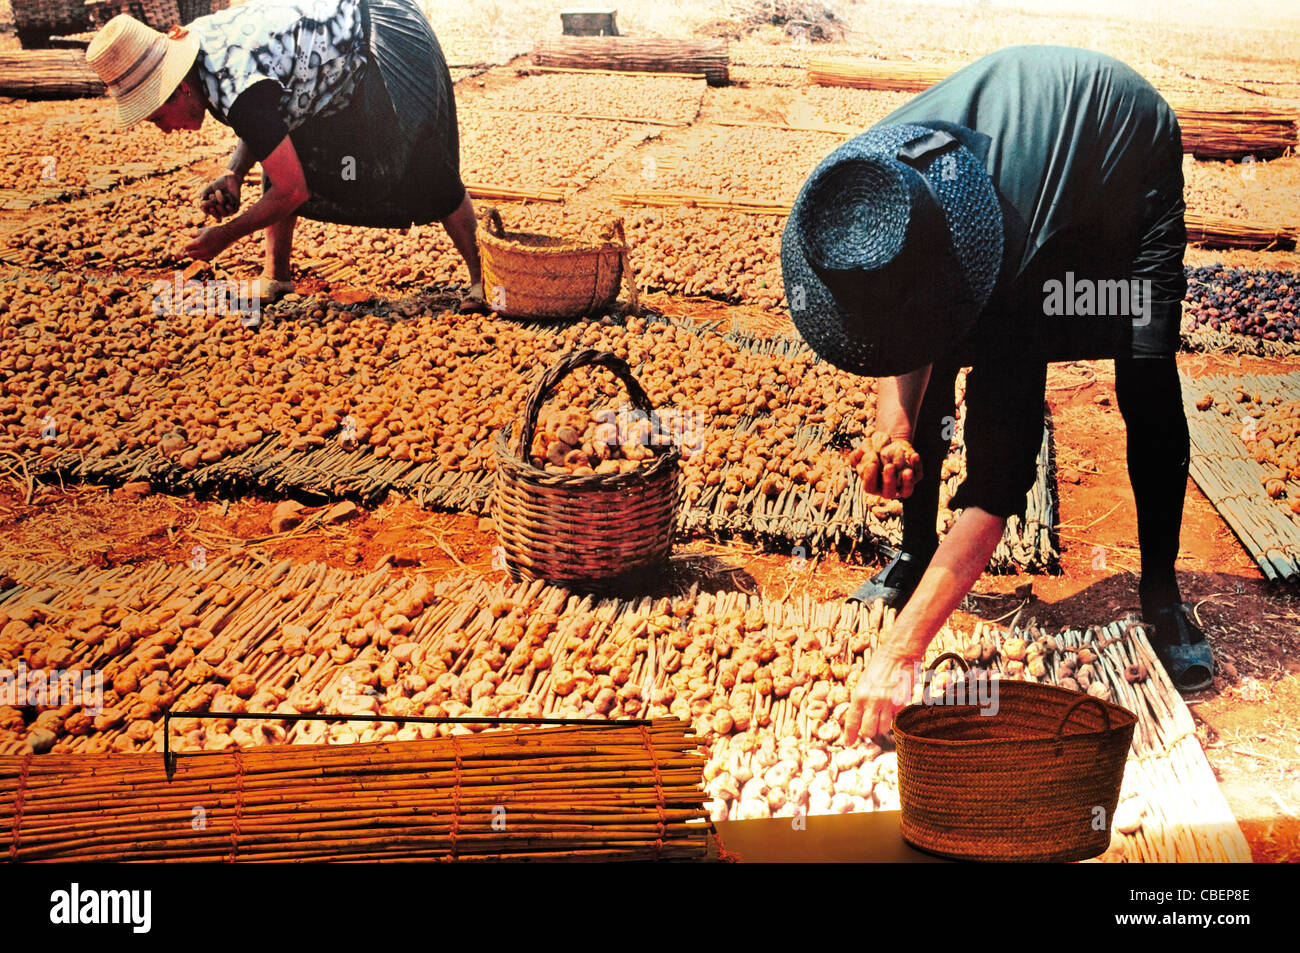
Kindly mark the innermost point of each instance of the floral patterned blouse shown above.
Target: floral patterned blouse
(315, 50)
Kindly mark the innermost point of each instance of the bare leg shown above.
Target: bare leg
(279, 249)
(461, 226)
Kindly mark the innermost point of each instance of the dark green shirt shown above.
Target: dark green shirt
(1086, 157)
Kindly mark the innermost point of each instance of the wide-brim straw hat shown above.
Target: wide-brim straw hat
(140, 66)
(893, 248)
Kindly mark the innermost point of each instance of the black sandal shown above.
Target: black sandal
(895, 583)
(1182, 648)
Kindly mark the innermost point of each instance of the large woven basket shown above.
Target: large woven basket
(598, 532)
(50, 16)
(1036, 781)
(526, 275)
(191, 10)
(162, 15)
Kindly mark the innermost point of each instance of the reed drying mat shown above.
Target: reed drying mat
(502, 147)
(764, 682)
(62, 150)
(1208, 341)
(101, 179)
(600, 793)
(1230, 477)
(324, 466)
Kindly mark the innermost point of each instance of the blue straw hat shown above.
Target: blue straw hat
(893, 248)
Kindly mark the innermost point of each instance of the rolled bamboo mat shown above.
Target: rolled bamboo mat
(504, 193)
(467, 646)
(600, 793)
(642, 55)
(657, 74)
(1228, 131)
(1234, 130)
(884, 75)
(48, 74)
(1218, 231)
(1229, 476)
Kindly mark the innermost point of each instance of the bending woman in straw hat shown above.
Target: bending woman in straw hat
(1028, 209)
(346, 104)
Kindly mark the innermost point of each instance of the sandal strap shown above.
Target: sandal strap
(1177, 617)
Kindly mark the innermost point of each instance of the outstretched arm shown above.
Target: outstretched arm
(886, 685)
(900, 402)
(288, 191)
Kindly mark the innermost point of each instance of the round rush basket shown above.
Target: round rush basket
(598, 531)
(542, 276)
(1035, 779)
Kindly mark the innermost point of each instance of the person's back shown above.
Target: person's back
(313, 50)
(1073, 134)
(1086, 157)
(1056, 168)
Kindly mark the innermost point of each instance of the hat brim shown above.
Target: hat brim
(841, 336)
(149, 96)
(897, 320)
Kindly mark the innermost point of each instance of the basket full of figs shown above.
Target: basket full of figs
(586, 501)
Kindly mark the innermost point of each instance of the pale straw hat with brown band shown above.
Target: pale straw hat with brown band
(140, 66)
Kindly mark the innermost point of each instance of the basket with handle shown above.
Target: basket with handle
(1036, 777)
(595, 531)
(527, 275)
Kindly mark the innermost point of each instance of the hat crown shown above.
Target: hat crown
(122, 47)
(893, 248)
(856, 214)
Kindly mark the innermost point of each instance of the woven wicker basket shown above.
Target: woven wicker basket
(162, 15)
(51, 16)
(191, 10)
(1017, 784)
(541, 276)
(597, 532)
